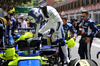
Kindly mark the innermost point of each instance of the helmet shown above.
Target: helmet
(35, 15)
(70, 43)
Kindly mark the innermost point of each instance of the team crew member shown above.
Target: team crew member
(54, 24)
(69, 32)
(68, 29)
(89, 31)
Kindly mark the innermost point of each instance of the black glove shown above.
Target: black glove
(39, 34)
(52, 31)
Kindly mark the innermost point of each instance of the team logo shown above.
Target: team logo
(83, 30)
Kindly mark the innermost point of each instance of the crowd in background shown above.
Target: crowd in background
(24, 22)
(14, 23)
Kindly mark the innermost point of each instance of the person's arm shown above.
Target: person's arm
(53, 14)
(73, 32)
(59, 25)
(26, 25)
(37, 28)
(80, 25)
(93, 29)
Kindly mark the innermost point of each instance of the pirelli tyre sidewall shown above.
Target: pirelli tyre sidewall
(3, 21)
(73, 62)
(82, 62)
(92, 63)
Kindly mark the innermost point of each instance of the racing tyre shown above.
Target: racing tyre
(82, 62)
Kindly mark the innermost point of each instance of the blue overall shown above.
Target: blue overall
(67, 27)
(88, 30)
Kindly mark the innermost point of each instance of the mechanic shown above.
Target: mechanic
(89, 31)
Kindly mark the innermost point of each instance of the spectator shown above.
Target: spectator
(76, 24)
(89, 31)
(22, 24)
(31, 24)
(9, 26)
(19, 23)
(13, 20)
(27, 21)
